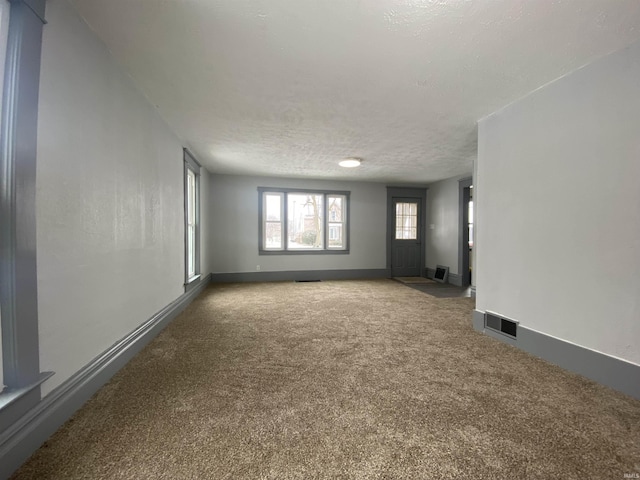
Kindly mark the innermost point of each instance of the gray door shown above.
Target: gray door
(406, 241)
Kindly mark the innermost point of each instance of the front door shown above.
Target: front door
(406, 241)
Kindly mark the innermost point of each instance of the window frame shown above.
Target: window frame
(412, 228)
(284, 192)
(19, 292)
(193, 166)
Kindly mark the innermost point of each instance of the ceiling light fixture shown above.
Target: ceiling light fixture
(350, 163)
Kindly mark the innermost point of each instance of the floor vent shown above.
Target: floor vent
(307, 281)
(501, 324)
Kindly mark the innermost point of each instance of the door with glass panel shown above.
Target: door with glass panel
(406, 241)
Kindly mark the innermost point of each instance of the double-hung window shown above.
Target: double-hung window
(191, 219)
(303, 221)
(21, 25)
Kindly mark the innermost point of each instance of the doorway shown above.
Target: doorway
(405, 231)
(465, 232)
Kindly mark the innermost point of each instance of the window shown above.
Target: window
(191, 219)
(20, 53)
(470, 223)
(406, 221)
(301, 221)
(4, 30)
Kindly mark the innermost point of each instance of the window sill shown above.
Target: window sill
(9, 396)
(192, 282)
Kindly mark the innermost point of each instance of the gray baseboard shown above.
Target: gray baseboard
(599, 367)
(478, 320)
(293, 275)
(452, 278)
(27, 434)
(455, 279)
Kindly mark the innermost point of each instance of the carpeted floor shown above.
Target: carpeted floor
(442, 290)
(414, 280)
(347, 380)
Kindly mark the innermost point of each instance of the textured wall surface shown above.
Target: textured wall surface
(289, 87)
(109, 201)
(558, 208)
(234, 226)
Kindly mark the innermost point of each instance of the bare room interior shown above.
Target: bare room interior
(302, 239)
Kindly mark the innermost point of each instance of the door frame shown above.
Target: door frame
(463, 216)
(407, 192)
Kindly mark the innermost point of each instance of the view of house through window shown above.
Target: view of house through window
(336, 221)
(273, 214)
(303, 221)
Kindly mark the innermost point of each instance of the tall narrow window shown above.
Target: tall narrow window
(336, 221)
(470, 223)
(20, 57)
(191, 219)
(4, 30)
(191, 223)
(273, 214)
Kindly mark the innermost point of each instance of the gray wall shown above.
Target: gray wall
(442, 224)
(558, 208)
(234, 226)
(109, 201)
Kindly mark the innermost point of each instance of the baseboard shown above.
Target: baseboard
(452, 278)
(455, 279)
(599, 367)
(478, 320)
(293, 275)
(27, 434)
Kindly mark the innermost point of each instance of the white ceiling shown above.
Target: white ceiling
(290, 87)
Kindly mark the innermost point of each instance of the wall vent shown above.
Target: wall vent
(501, 324)
(442, 274)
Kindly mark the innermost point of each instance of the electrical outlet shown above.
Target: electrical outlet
(257, 268)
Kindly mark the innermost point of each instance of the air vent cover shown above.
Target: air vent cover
(501, 324)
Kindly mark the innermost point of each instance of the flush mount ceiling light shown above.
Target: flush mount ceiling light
(350, 162)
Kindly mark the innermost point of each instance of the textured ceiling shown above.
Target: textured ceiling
(290, 87)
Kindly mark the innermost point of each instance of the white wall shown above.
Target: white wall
(205, 221)
(234, 226)
(558, 206)
(443, 214)
(110, 216)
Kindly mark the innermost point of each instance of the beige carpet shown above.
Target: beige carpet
(414, 280)
(346, 380)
